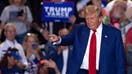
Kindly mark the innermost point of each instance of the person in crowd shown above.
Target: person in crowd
(20, 15)
(64, 52)
(42, 70)
(10, 33)
(99, 4)
(48, 47)
(49, 64)
(59, 57)
(128, 40)
(117, 17)
(9, 62)
(128, 28)
(110, 5)
(117, 14)
(31, 46)
(77, 18)
(97, 48)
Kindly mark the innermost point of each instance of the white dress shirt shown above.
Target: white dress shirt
(65, 60)
(7, 43)
(85, 62)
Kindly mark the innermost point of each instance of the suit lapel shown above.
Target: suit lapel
(103, 48)
(84, 41)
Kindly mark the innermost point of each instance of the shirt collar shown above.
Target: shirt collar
(99, 29)
(11, 42)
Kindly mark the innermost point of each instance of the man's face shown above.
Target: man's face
(92, 20)
(10, 33)
(17, 1)
(118, 10)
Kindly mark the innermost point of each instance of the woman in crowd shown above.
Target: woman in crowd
(30, 45)
(10, 61)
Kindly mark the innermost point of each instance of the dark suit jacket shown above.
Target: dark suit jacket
(59, 59)
(112, 57)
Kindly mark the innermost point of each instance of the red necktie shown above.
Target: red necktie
(92, 54)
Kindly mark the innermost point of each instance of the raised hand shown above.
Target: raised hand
(54, 38)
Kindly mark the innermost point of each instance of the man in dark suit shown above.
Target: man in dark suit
(97, 48)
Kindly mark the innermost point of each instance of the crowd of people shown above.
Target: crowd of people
(30, 46)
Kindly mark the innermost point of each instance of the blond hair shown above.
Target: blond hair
(26, 38)
(92, 9)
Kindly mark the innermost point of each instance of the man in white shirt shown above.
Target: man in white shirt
(10, 33)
